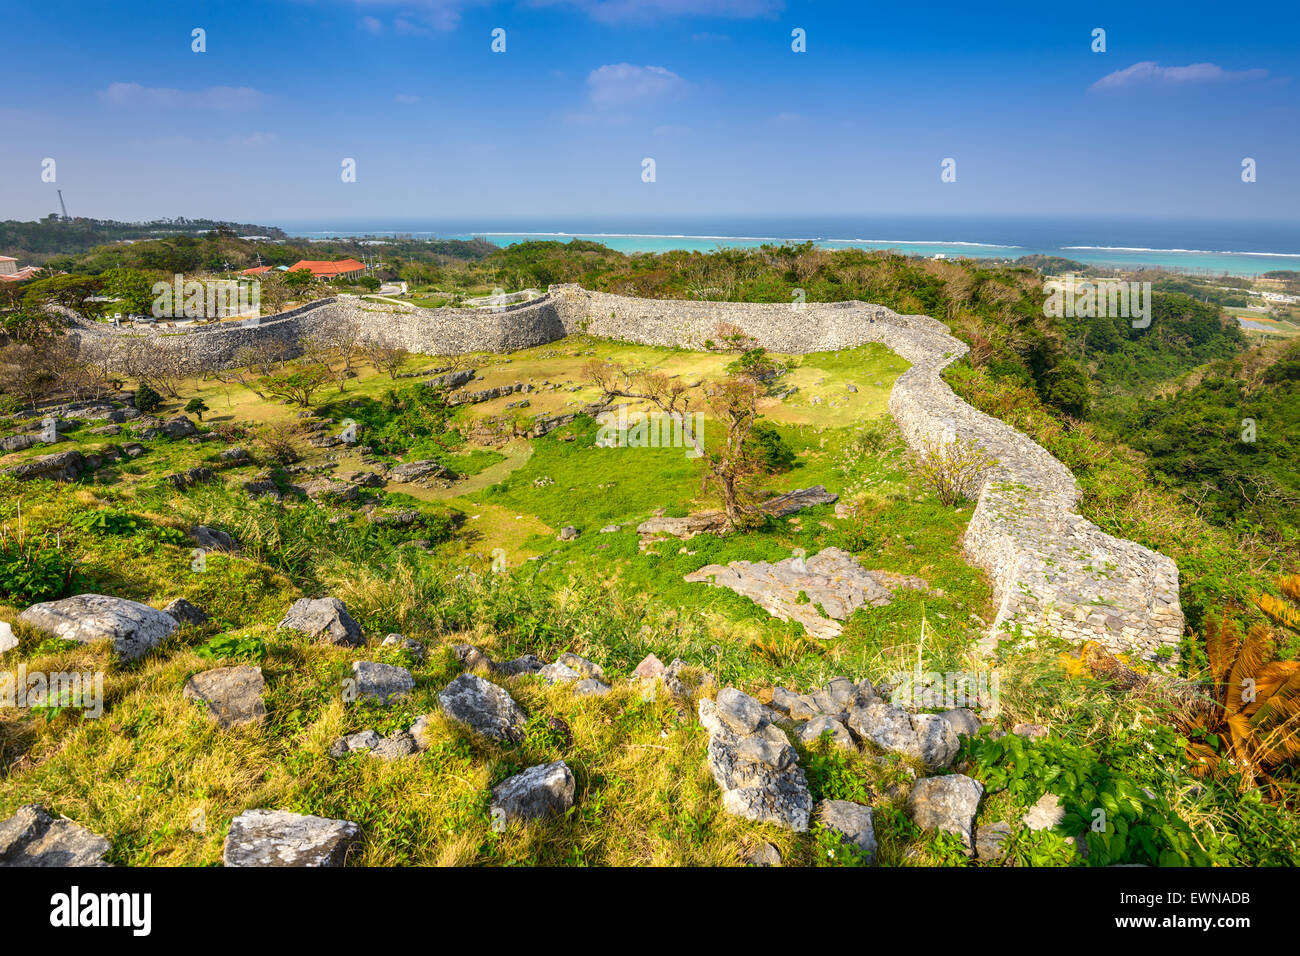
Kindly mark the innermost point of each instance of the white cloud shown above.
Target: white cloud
(226, 99)
(622, 84)
(372, 25)
(1150, 73)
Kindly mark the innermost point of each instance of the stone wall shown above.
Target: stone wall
(1052, 570)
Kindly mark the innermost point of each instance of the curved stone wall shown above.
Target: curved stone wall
(1052, 570)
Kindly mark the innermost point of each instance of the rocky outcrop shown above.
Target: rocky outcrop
(61, 466)
(281, 838)
(133, 628)
(818, 592)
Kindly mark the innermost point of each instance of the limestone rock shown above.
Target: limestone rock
(381, 682)
(948, 804)
(524, 664)
(8, 640)
(589, 686)
(964, 722)
(703, 522)
(32, 837)
(233, 694)
(853, 822)
(797, 500)
(133, 628)
(486, 708)
(926, 737)
(62, 466)
(583, 666)
(322, 619)
(990, 841)
(568, 533)
(210, 539)
(178, 427)
(758, 772)
(281, 838)
(183, 612)
(812, 731)
(649, 668)
(412, 647)
(765, 854)
(538, 792)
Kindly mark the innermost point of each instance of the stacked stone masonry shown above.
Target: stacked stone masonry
(1052, 571)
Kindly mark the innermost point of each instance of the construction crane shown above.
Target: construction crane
(62, 205)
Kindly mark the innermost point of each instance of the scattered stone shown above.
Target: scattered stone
(19, 442)
(590, 686)
(322, 619)
(568, 533)
(558, 673)
(132, 627)
(852, 821)
(812, 731)
(418, 471)
(1032, 731)
(32, 837)
(381, 682)
(765, 854)
(328, 489)
(281, 838)
(411, 646)
(236, 455)
(133, 449)
(186, 613)
(947, 803)
(473, 658)
(8, 640)
(486, 708)
(611, 528)
(990, 841)
(524, 664)
(210, 539)
(538, 792)
(650, 668)
(189, 478)
(583, 666)
(233, 694)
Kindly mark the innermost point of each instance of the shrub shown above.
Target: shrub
(770, 448)
(146, 398)
(34, 570)
(953, 470)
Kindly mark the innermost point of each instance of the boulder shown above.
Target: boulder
(19, 442)
(189, 478)
(583, 666)
(393, 747)
(233, 695)
(538, 792)
(926, 737)
(558, 673)
(32, 837)
(852, 821)
(524, 664)
(8, 640)
(324, 619)
(281, 838)
(738, 711)
(178, 427)
(964, 722)
(418, 471)
(183, 612)
(381, 682)
(568, 533)
(765, 854)
(948, 804)
(589, 686)
(132, 627)
(484, 707)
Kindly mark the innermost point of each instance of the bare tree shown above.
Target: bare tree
(734, 403)
(387, 358)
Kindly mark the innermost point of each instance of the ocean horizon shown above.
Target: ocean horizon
(1204, 247)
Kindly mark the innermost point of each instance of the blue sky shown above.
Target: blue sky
(256, 128)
